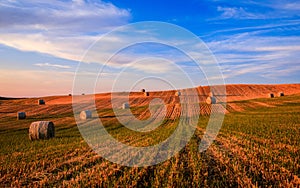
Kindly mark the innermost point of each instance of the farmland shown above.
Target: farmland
(258, 144)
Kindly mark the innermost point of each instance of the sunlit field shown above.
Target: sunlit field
(258, 145)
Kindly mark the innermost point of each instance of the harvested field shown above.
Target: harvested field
(258, 144)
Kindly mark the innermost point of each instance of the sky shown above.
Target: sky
(44, 44)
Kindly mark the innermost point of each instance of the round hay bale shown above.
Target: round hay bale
(280, 94)
(125, 106)
(143, 90)
(210, 94)
(177, 93)
(21, 115)
(41, 130)
(146, 94)
(271, 95)
(211, 100)
(86, 114)
(41, 102)
(70, 95)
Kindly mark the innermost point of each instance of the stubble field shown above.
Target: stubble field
(258, 144)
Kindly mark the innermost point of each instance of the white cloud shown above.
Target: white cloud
(255, 9)
(154, 65)
(291, 6)
(279, 48)
(237, 13)
(285, 6)
(71, 48)
(286, 25)
(250, 42)
(52, 65)
(61, 16)
(63, 29)
(259, 55)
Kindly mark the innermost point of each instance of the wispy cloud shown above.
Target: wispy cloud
(63, 29)
(291, 6)
(71, 47)
(279, 5)
(64, 16)
(52, 65)
(237, 13)
(248, 53)
(279, 25)
(154, 65)
(255, 9)
(290, 48)
(266, 46)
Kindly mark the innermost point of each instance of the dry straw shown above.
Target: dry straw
(41, 130)
(146, 94)
(86, 114)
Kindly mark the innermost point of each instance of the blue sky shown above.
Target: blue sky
(41, 43)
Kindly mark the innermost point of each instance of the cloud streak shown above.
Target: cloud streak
(66, 17)
(249, 53)
(62, 29)
(257, 10)
(52, 65)
(237, 13)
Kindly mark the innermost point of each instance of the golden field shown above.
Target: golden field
(257, 146)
